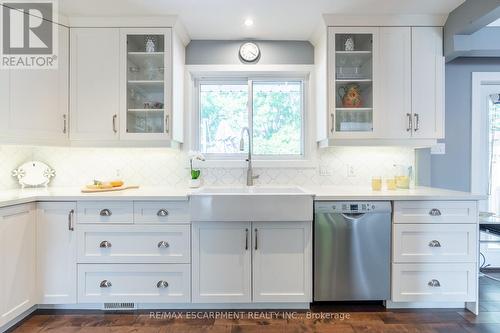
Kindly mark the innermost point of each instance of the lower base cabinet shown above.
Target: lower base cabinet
(434, 282)
(135, 283)
(221, 262)
(56, 252)
(282, 270)
(17, 261)
(243, 262)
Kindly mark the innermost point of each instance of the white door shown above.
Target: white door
(43, 116)
(282, 261)
(56, 252)
(427, 82)
(95, 83)
(17, 260)
(221, 262)
(395, 82)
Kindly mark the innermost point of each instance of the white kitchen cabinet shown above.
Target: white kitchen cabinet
(146, 83)
(434, 282)
(427, 82)
(435, 212)
(35, 102)
(136, 283)
(434, 243)
(282, 267)
(56, 252)
(395, 85)
(95, 84)
(399, 74)
(353, 78)
(134, 244)
(221, 262)
(243, 262)
(17, 259)
(122, 90)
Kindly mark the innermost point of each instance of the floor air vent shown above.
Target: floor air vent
(119, 306)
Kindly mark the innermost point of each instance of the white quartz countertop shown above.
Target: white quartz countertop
(13, 197)
(322, 193)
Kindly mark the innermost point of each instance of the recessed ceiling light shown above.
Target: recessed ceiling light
(248, 22)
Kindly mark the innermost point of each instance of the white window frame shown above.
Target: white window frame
(479, 177)
(226, 74)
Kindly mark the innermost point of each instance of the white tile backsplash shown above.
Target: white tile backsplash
(168, 167)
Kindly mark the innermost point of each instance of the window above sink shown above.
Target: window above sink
(272, 107)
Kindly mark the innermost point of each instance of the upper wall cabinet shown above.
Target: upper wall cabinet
(353, 59)
(384, 84)
(428, 64)
(34, 103)
(121, 86)
(146, 83)
(95, 84)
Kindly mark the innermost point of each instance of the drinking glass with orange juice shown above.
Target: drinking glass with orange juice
(376, 183)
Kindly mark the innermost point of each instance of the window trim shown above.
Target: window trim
(228, 78)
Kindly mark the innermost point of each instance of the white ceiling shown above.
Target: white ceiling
(273, 19)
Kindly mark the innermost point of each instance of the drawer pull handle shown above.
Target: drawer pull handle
(105, 284)
(162, 284)
(434, 243)
(163, 244)
(435, 212)
(434, 283)
(105, 212)
(162, 212)
(105, 245)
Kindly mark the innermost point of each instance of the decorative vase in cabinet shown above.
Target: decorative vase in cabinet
(350, 96)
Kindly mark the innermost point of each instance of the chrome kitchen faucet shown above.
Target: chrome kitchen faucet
(250, 176)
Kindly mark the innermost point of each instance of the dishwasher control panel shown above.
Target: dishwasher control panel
(352, 207)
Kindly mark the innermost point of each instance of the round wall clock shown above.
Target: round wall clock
(249, 52)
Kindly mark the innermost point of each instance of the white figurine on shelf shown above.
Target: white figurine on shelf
(349, 44)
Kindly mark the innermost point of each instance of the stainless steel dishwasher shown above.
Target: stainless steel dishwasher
(352, 251)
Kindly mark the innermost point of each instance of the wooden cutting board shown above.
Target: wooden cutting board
(111, 189)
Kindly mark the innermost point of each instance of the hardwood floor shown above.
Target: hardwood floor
(343, 318)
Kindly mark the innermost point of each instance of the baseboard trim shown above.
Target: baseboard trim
(424, 305)
(17, 320)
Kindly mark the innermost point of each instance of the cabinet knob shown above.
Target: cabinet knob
(105, 212)
(434, 283)
(434, 243)
(105, 284)
(162, 212)
(163, 245)
(162, 284)
(105, 245)
(435, 212)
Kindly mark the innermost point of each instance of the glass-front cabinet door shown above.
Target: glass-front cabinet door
(146, 105)
(352, 65)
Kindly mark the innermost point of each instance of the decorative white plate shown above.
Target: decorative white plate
(33, 174)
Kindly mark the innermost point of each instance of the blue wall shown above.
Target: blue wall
(452, 170)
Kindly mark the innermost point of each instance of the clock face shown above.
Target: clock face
(249, 52)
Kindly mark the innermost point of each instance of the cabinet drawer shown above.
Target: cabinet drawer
(433, 282)
(105, 212)
(139, 283)
(435, 212)
(161, 212)
(134, 244)
(434, 242)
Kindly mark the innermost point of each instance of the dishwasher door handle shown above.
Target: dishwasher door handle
(353, 217)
